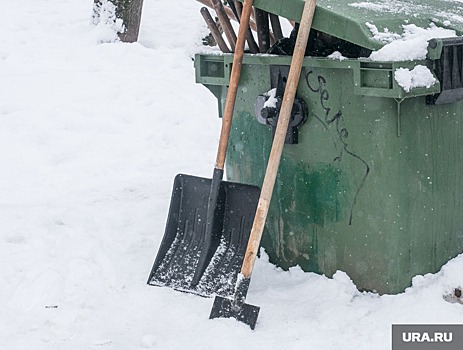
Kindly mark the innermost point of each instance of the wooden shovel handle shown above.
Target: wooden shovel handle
(276, 26)
(230, 14)
(263, 30)
(225, 23)
(279, 139)
(249, 37)
(214, 30)
(233, 86)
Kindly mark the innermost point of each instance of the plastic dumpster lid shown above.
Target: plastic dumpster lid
(347, 19)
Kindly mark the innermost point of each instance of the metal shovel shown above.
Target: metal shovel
(237, 308)
(209, 220)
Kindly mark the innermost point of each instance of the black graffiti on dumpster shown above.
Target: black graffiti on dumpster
(336, 119)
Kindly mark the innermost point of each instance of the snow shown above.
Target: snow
(272, 100)
(390, 6)
(106, 21)
(91, 137)
(411, 45)
(385, 37)
(410, 8)
(420, 76)
(336, 55)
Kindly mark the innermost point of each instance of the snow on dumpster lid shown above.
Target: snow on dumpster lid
(357, 20)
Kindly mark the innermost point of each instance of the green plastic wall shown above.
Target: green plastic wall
(374, 187)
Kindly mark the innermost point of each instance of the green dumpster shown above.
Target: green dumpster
(371, 180)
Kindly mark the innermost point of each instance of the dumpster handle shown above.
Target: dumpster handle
(399, 116)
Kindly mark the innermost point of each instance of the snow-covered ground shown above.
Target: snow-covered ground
(91, 137)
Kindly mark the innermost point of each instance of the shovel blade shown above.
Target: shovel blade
(225, 308)
(184, 239)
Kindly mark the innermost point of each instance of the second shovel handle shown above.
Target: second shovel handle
(233, 86)
(279, 139)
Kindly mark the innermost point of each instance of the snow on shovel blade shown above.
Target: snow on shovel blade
(185, 239)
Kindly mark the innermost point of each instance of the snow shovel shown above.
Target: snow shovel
(209, 220)
(237, 308)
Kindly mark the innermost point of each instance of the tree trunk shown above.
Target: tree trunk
(130, 13)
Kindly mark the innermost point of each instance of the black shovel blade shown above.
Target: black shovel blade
(184, 241)
(225, 308)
